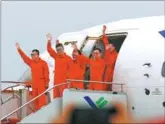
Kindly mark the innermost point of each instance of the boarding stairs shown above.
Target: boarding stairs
(88, 98)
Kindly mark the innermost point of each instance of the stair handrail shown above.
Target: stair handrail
(12, 87)
(100, 82)
(31, 100)
(10, 82)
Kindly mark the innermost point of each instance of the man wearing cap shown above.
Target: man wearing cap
(40, 75)
(61, 65)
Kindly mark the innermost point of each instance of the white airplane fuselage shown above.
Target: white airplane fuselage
(139, 63)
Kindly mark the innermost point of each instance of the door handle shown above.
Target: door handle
(147, 64)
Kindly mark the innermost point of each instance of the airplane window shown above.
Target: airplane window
(163, 70)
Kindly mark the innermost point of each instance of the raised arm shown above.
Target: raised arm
(25, 58)
(81, 58)
(105, 38)
(46, 74)
(106, 44)
(51, 52)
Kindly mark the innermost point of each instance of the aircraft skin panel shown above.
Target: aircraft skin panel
(144, 103)
(146, 46)
(154, 22)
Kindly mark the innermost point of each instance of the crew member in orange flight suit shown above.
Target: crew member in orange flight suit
(40, 75)
(97, 67)
(110, 58)
(76, 70)
(61, 65)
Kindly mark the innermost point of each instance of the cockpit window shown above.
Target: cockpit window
(163, 70)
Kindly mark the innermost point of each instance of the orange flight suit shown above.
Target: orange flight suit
(61, 70)
(110, 60)
(110, 65)
(40, 78)
(96, 71)
(76, 71)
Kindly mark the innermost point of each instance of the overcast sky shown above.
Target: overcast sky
(28, 22)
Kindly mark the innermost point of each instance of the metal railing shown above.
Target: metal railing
(12, 89)
(31, 101)
(99, 82)
(68, 82)
(14, 94)
(19, 84)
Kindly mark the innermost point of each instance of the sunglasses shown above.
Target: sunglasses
(96, 53)
(32, 54)
(75, 51)
(59, 49)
